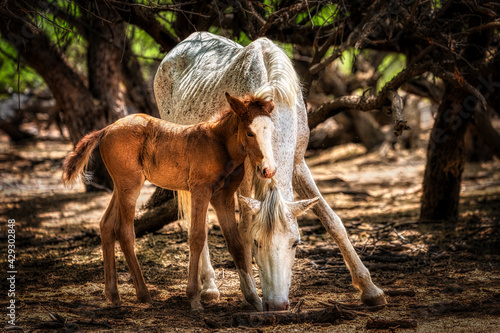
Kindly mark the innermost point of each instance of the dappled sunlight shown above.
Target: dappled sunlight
(443, 265)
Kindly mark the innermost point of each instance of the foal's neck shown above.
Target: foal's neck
(226, 128)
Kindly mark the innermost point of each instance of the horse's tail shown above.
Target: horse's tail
(184, 204)
(76, 161)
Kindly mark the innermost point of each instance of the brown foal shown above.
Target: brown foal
(206, 160)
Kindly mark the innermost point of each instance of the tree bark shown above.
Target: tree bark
(145, 19)
(139, 91)
(82, 111)
(75, 100)
(106, 42)
(446, 158)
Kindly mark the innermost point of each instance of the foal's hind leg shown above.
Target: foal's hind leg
(124, 228)
(108, 239)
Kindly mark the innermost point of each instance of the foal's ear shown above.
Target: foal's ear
(268, 106)
(253, 205)
(236, 104)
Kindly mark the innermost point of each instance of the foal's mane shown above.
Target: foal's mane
(259, 102)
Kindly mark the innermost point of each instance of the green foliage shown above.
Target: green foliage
(390, 67)
(146, 50)
(347, 60)
(243, 39)
(319, 16)
(28, 79)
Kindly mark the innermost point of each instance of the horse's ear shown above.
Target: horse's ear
(299, 207)
(236, 104)
(253, 205)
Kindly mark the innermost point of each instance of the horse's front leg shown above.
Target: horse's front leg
(200, 199)
(305, 187)
(223, 204)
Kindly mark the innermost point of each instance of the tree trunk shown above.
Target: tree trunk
(161, 209)
(81, 112)
(72, 96)
(104, 57)
(482, 141)
(139, 91)
(446, 158)
(446, 151)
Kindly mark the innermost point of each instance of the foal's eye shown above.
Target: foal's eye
(255, 243)
(250, 134)
(297, 242)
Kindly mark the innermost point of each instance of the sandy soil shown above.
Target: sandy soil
(450, 270)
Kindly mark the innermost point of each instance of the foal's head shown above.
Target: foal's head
(255, 132)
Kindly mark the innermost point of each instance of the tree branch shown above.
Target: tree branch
(143, 17)
(388, 95)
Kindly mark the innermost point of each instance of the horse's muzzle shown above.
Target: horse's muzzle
(276, 306)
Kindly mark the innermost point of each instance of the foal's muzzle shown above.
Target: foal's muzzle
(266, 172)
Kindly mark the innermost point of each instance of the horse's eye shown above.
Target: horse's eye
(255, 243)
(297, 242)
(250, 134)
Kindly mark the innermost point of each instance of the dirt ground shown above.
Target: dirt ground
(443, 276)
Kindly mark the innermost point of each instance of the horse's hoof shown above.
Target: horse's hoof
(210, 295)
(255, 305)
(374, 299)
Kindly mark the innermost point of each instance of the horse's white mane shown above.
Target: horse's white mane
(283, 84)
(271, 214)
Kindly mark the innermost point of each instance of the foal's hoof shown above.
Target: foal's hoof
(210, 295)
(144, 298)
(113, 298)
(374, 299)
(196, 306)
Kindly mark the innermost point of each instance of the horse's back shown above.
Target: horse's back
(191, 80)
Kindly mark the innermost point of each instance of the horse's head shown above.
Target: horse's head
(255, 132)
(275, 235)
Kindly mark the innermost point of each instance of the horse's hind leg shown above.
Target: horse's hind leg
(209, 291)
(125, 233)
(108, 239)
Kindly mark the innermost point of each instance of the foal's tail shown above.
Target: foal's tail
(76, 161)
(184, 204)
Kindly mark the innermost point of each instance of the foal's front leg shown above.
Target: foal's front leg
(224, 207)
(200, 199)
(209, 291)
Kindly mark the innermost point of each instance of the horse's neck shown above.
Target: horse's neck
(226, 129)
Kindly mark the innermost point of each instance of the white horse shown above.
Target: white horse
(189, 87)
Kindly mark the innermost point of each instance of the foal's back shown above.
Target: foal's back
(166, 154)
